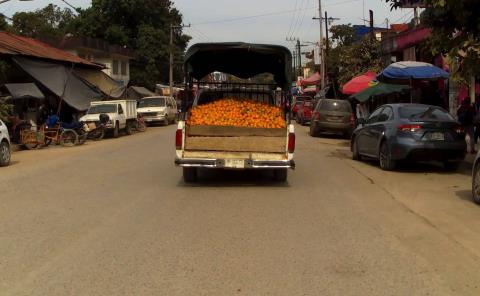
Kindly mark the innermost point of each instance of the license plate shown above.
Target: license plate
(235, 163)
(437, 137)
(148, 119)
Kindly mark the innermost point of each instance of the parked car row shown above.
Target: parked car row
(102, 117)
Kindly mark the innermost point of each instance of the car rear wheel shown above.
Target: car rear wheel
(312, 130)
(189, 175)
(4, 154)
(355, 154)
(476, 184)
(386, 161)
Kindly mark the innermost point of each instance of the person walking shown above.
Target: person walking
(466, 115)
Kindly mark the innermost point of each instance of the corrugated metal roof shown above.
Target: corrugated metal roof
(11, 44)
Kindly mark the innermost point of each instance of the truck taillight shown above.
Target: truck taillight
(179, 139)
(291, 142)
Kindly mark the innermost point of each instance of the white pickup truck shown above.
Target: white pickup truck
(228, 147)
(122, 114)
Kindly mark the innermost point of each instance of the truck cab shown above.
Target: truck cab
(236, 147)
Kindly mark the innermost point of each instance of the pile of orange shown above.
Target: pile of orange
(238, 113)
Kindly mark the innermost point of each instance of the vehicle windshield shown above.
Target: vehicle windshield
(424, 113)
(334, 105)
(152, 102)
(98, 109)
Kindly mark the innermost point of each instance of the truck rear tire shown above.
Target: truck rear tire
(189, 175)
(129, 128)
(116, 130)
(280, 175)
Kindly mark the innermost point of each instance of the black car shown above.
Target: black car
(332, 116)
(414, 132)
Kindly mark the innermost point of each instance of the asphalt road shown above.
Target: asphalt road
(115, 218)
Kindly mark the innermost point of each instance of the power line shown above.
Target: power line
(269, 14)
(292, 20)
(300, 20)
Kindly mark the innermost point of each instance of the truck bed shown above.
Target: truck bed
(235, 139)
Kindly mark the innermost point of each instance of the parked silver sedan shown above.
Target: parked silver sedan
(5, 150)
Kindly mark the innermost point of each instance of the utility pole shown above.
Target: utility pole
(172, 27)
(322, 56)
(372, 35)
(299, 55)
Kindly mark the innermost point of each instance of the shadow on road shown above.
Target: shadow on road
(465, 195)
(232, 178)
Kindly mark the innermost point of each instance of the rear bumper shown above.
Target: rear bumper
(248, 164)
(412, 150)
(333, 126)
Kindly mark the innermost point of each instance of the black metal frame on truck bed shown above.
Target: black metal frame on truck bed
(243, 60)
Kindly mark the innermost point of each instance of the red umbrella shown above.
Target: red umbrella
(312, 80)
(359, 83)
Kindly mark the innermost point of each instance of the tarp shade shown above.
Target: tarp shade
(24, 91)
(312, 80)
(60, 80)
(379, 89)
(102, 81)
(243, 60)
(138, 92)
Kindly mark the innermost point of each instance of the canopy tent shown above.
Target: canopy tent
(359, 83)
(61, 81)
(138, 92)
(380, 88)
(409, 70)
(310, 89)
(312, 80)
(24, 91)
(102, 81)
(243, 60)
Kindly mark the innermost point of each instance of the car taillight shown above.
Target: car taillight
(352, 119)
(316, 115)
(179, 139)
(410, 128)
(459, 130)
(291, 142)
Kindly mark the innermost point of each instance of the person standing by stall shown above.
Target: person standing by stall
(466, 115)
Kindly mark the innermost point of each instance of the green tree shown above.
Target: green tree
(343, 35)
(3, 23)
(144, 27)
(48, 21)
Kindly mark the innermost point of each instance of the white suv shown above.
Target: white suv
(5, 150)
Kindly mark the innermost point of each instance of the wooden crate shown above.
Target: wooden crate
(231, 131)
(237, 144)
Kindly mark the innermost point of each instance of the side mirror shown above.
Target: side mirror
(361, 121)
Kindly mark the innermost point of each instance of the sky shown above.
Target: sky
(260, 21)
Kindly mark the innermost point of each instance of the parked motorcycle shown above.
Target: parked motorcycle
(91, 131)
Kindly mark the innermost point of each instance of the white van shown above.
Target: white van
(158, 109)
(5, 149)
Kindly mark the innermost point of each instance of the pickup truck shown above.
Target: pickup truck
(122, 115)
(233, 147)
